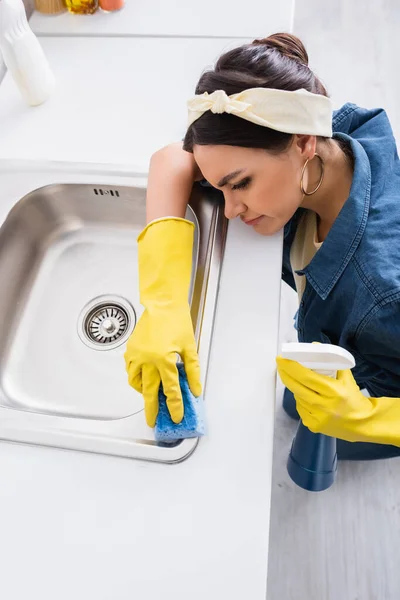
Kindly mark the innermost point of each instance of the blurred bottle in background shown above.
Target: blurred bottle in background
(23, 54)
(82, 7)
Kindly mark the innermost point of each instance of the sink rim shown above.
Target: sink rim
(27, 431)
(42, 218)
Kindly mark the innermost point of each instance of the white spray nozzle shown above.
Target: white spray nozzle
(325, 359)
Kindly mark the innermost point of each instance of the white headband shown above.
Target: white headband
(298, 112)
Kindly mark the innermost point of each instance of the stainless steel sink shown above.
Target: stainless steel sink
(68, 302)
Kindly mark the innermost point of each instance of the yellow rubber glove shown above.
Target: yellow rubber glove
(336, 407)
(165, 328)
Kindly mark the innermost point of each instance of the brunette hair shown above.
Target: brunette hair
(279, 61)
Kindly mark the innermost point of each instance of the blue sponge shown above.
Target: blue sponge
(193, 423)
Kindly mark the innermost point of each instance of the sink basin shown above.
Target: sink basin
(70, 300)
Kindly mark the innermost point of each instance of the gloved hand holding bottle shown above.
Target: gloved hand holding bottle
(165, 250)
(337, 407)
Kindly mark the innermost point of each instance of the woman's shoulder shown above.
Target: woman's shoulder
(370, 135)
(359, 122)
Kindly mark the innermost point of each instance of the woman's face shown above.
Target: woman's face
(261, 188)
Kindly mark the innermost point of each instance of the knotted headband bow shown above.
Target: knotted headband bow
(298, 112)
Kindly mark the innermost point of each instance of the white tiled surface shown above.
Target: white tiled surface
(340, 544)
(176, 17)
(355, 48)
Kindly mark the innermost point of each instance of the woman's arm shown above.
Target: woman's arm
(336, 407)
(165, 248)
(171, 176)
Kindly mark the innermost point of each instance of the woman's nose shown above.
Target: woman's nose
(234, 208)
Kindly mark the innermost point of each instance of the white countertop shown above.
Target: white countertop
(92, 527)
(231, 18)
(130, 99)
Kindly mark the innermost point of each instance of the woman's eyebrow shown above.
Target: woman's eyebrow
(227, 178)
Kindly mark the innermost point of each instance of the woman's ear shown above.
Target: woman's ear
(306, 145)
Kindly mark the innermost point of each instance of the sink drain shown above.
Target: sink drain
(106, 322)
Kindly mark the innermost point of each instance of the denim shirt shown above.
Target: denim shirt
(352, 293)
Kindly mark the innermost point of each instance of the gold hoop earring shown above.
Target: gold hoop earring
(303, 191)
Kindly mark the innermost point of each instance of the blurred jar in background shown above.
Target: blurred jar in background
(82, 7)
(111, 5)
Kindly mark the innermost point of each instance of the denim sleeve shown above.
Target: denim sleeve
(378, 343)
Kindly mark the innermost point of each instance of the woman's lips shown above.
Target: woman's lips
(253, 222)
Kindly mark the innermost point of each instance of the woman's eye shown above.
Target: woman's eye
(242, 184)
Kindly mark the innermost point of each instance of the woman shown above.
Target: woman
(261, 130)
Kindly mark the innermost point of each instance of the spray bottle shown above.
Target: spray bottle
(312, 462)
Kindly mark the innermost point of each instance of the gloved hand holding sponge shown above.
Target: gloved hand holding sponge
(337, 407)
(334, 407)
(165, 328)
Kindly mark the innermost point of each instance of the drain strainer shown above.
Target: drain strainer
(106, 322)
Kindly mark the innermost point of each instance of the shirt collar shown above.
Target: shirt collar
(346, 232)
